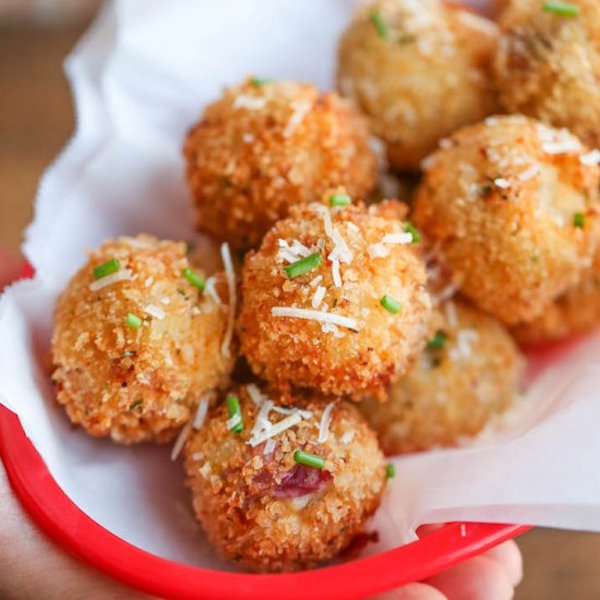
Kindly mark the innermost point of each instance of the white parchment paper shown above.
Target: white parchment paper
(140, 77)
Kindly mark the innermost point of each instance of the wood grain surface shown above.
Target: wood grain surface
(35, 122)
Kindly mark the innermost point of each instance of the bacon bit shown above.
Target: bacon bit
(301, 480)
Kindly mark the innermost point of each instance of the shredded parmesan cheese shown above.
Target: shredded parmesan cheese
(314, 315)
(502, 183)
(275, 429)
(180, 441)
(348, 436)
(451, 315)
(324, 212)
(255, 394)
(249, 102)
(352, 226)
(324, 424)
(230, 274)
(201, 413)
(528, 173)
(122, 275)
(377, 250)
(300, 108)
(335, 272)
(591, 158)
(211, 291)
(234, 421)
(316, 281)
(269, 446)
(155, 311)
(318, 297)
(398, 238)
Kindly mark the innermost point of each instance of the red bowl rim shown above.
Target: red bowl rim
(83, 537)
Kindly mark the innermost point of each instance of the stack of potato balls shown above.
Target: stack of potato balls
(346, 326)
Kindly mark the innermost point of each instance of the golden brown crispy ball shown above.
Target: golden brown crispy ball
(134, 350)
(576, 311)
(264, 147)
(512, 206)
(419, 69)
(469, 372)
(326, 328)
(548, 65)
(263, 509)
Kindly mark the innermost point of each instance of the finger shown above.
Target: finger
(32, 567)
(479, 578)
(510, 559)
(413, 591)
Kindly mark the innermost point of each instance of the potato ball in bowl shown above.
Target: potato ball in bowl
(283, 483)
(419, 70)
(469, 372)
(267, 145)
(548, 64)
(139, 336)
(334, 300)
(512, 206)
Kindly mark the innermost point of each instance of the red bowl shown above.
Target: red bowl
(77, 533)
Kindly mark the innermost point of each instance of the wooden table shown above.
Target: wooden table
(35, 122)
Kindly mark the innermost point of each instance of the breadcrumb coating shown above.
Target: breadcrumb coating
(576, 311)
(265, 511)
(371, 346)
(260, 149)
(512, 206)
(548, 66)
(426, 74)
(469, 373)
(138, 384)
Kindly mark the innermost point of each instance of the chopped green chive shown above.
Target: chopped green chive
(390, 304)
(579, 220)
(133, 321)
(234, 410)
(107, 268)
(304, 265)
(194, 279)
(390, 470)
(563, 9)
(340, 200)
(379, 24)
(438, 341)
(416, 236)
(259, 81)
(485, 190)
(310, 460)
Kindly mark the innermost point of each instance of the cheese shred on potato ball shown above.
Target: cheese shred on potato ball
(512, 206)
(548, 64)
(335, 300)
(267, 145)
(278, 487)
(576, 311)
(139, 337)
(419, 69)
(469, 372)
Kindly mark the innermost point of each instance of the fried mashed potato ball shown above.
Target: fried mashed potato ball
(321, 323)
(548, 65)
(576, 311)
(419, 69)
(512, 206)
(265, 146)
(134, 350)
(264, 510)
(469, 372)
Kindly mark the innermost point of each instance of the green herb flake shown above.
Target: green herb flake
(390, 304)
(304, 265)
(310, 460)
(233, 410)
(133, 321)
(340, 200)
(562, 9)
(579, 220)
(259, 81)
(390, 471)
(107, 268)
(380, 25)
(438, 341)
(194, 279)
(416, 235)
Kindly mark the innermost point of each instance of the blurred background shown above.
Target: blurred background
(36, 120)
